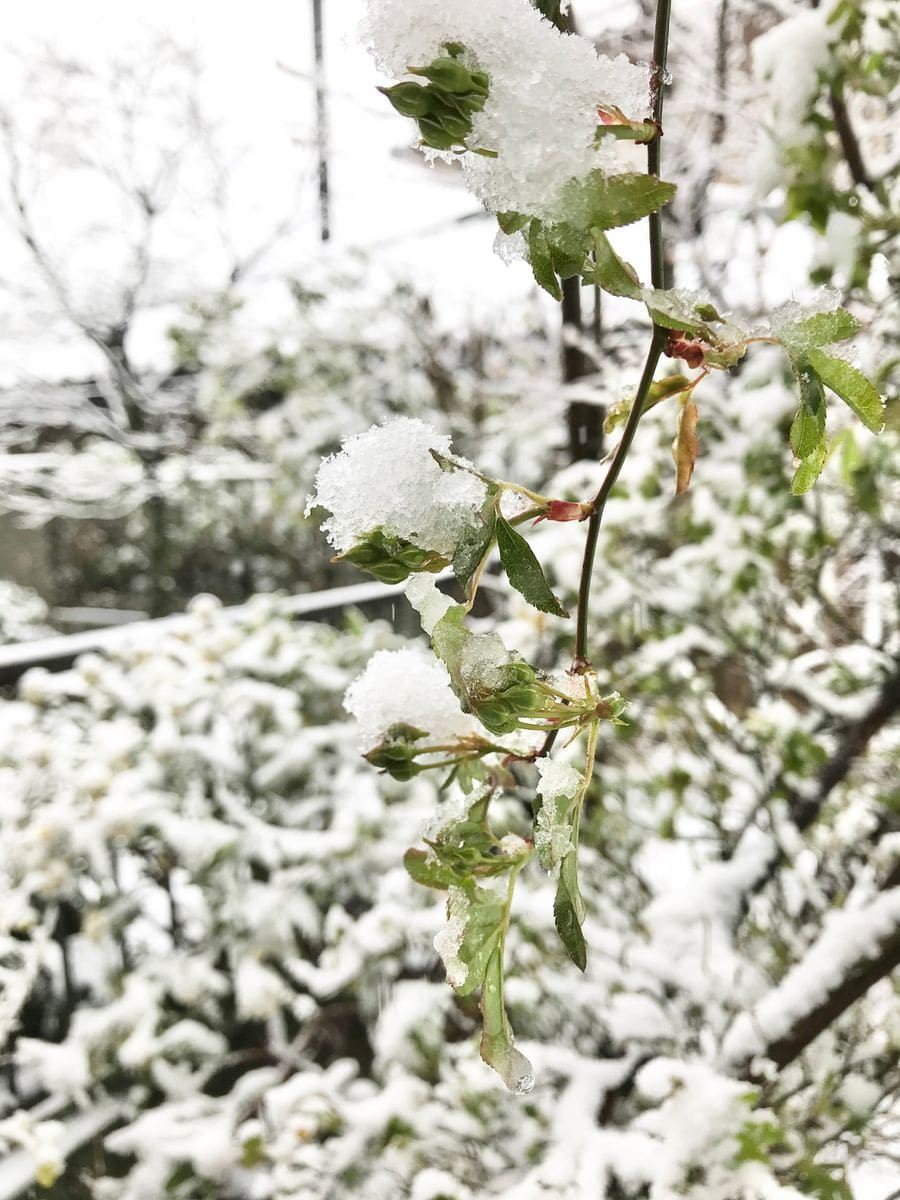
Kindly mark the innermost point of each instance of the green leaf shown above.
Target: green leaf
(677, 310)
(428, 870)
(448, 638)
(821, 329)
(497, 1042)
(603, 201)
(484, 930)
(524, 571)
(475, 543)
(808, 428)
(253, 1152)
(541, 261)
(512, 222)
(809, 471)
(610, 272)
(660, 389)
(568, 925)
(852, 386)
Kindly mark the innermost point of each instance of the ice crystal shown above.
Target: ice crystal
(387, 478)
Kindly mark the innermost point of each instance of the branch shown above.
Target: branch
(857, 949)
(804, 810)
(657, 342)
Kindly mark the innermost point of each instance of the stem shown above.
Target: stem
(657, 342)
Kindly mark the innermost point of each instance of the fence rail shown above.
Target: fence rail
(59, 653)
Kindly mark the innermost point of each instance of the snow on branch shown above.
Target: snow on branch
(857, 947)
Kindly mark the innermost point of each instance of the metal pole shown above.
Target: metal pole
(321, 124)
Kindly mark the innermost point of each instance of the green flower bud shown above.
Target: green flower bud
(409, 99)
(522, 699)
(496, 715)
(459, 128)
(435, 135)
(448, 74)
(391, 559)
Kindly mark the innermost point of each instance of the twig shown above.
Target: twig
(657, 342)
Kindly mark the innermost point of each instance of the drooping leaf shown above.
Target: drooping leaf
(660, 389)
(524, 571)
(497, 1042)
(808, 428)
(809, 470)
(601, 201)
(851, 385)
(448, 638)
(821, 329)
(611, 273)
(428, 870)
(541, 260)
(476, 542)
(483, 935)
(568, 926)
(685, 447)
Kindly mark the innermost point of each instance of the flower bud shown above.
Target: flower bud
(409, 99)
(448, 74)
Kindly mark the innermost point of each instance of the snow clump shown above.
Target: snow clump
(541, 81)
(405, 687)
(387, 478)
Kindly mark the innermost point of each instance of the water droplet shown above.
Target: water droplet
(492, 988)
(523, 1085)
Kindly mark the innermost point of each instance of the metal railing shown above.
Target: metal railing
(59, 653)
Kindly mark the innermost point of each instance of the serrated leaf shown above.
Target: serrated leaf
(568, 926)
(448, 638)
(672, 309)
(429, 871)
(809, 471)
(541, 261)
(685, 447)
(512, 222)
(524, 571)
(484, 929)
(852, 386)
(610, 272)
(475, 543)
(497, 1042)
(602, 201)
(821, 329)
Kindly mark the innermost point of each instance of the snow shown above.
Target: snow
(850, 936)
(447, 941)
(410, 687)
(387, 478)
(528, 61)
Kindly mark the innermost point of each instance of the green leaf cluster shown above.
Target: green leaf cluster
(461, 853)
(577, 246)
(815, 370)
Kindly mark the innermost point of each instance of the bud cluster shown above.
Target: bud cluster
(443, 107)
